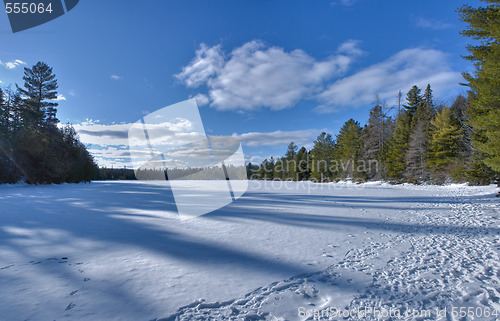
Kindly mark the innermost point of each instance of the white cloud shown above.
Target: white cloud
(116, 77)
(110, 144)
(346, 3)
(399, 72)
(257, 75)
(433, 24)
(208, 62)
(60, 97)
(12, 64)
(278, 138)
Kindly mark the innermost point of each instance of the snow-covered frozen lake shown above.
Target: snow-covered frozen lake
(117, 251)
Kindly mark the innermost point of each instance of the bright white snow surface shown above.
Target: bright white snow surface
(117, 251)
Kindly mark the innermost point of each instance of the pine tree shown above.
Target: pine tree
(349, 149)
(416, 154)
(461, 119)
(39, 91)
(444, 143)
(404, 125)
(4, 133)
(398, 146)
(267, 169)
(14, 104)
(484, 83)
(4, 115)
(322, 156)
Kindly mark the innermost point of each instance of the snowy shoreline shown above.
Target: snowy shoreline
(263, 256)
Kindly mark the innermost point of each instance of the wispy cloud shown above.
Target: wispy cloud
(110, 144)
(116, 77)
(60, 97)
(12, 64)
(433, 24)
(345, 3)
(257, 75)
(399, 72)
(166, 133)
(277, 138)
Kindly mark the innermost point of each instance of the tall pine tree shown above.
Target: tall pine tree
(39, 92)
(376, 135)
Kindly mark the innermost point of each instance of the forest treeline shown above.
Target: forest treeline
(33, 147)
(423, 142)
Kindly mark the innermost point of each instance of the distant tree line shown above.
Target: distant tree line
(32, 145)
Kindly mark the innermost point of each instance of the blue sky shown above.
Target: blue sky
(266, 72)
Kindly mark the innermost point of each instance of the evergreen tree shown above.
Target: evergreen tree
(291, 151)
(31, 145)
(484, 83)
(279, 169)
(252, 171)
(376, 135)
(428, 100)
(416, 154)
(290, 161)
(414, 99)
(302, 164)
(4, 116)
(267, 169)
(444, 143)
